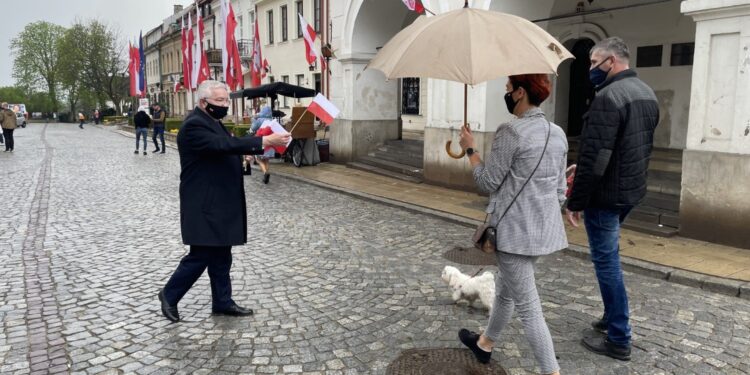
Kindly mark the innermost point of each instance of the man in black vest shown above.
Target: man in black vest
(615, 149)
(213, 212)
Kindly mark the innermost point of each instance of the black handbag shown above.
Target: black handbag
(485, 236)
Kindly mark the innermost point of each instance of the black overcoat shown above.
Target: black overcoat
(213, 211)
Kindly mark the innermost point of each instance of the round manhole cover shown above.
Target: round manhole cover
(441, 362)
(470, 256)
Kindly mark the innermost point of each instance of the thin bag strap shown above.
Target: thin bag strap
(549, 129)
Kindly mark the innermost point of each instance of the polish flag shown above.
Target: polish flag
(415, 5)
(131, 70)
(230, 54)
(199, 71)
(323, 109)
(256, 65)
(186, 58)
(308, 33)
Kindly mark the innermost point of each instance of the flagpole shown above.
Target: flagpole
(298, 120)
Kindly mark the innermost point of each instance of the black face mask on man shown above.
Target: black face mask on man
(509, 102)
(216, 111)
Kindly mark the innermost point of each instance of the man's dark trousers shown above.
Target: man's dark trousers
(218, 260)
(159, 131)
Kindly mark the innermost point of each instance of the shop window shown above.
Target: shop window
(682, 54)
(649, 56)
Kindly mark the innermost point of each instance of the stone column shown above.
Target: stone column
(715, 203)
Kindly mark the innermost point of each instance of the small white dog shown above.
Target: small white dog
(469, 288)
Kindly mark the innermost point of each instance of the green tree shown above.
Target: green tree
(104, 63)
(35, 64)
(12, 94)
(71, 52)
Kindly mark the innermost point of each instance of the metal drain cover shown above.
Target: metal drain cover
(470, 256)
(441, 362)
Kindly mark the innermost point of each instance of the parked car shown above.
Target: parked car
(20, 119)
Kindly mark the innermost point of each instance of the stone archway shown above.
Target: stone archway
(369, 103)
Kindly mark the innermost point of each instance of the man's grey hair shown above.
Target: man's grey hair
(205, 88)
(614, 46)
(3, 105)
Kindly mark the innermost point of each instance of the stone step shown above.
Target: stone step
(392, 166)
(655, 216)
(412, 135)
(650, 228)
(406, 143)
(383, 172)
(399, 157)
(666, 202)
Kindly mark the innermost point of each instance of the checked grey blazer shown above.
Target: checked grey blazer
(533, 226)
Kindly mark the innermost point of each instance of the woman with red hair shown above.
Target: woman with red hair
(524, 176)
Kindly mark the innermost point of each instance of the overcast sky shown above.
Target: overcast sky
(130, 16)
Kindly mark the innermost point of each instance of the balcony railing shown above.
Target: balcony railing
(246, 48)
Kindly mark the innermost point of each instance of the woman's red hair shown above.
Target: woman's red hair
(537, 86)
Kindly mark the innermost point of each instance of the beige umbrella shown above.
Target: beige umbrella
(469, 46)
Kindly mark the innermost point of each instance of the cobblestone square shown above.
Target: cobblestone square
(89, 232)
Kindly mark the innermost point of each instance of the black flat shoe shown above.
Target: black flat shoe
(602, 346)
(470, 339)
(169, 312)
(234, 310)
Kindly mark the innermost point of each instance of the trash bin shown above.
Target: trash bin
(323, 150)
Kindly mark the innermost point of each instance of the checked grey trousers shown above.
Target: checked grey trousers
(515, 288)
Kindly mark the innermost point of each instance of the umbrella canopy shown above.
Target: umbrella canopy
(274, 89)
(470, 46)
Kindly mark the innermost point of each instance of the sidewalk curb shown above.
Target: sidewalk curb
(734, 288)
(729, 287)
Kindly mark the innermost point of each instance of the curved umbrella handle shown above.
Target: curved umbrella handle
(451, 154)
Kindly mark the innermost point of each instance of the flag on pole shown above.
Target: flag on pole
(230, 54)
(266, 68)
(141, 66)
(177, 86)
(200, 61)
(323, 109)
(256, 66)
(415, 5)
(308, 33)
(185, 57)
(131, 70)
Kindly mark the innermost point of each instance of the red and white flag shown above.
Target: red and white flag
(323, 109)
(256, 65)
(177, 86)
(186, 58)
(308, 33)
(415, 5)
(230, 54)
(131, 70)
(199, 71)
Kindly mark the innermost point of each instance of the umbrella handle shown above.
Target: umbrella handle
(451, 154)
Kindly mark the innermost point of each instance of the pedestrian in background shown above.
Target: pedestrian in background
(610, 179)
(213, 211)
(81, 118)
(8, 123)
(160, 117)
(525, 177)
(141, 120)
(264, 115)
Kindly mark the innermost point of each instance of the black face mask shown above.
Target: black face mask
(216, 111)
(509, 101)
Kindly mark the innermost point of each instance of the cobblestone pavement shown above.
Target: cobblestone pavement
(89, 232)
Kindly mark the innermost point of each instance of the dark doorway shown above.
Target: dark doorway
(581, 89)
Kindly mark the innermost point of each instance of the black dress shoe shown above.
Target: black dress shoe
(170, 312)
(234, 310)
(471, 340)
(600, 325)
(602, 346)
(163, 151)
(155, 151)
(266, 178)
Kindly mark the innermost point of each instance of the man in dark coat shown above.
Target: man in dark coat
(610, 180)
(212, 200)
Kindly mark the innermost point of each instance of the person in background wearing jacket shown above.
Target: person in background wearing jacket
(264, 115)
(213, 210)
(141, 121)
(159, 117)
(8, 123)
(615, 149)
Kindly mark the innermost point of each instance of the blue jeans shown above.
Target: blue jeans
(141, 132)
(603, 229)
(159, 131)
